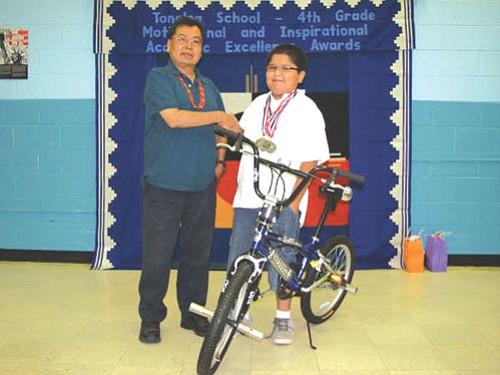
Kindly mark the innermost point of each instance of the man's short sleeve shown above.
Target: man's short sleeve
(159, 92)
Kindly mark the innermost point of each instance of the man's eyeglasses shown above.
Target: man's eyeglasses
(184, 39)
(283, 69)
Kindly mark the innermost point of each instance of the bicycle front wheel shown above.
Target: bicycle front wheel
(321, 303)
(233, 303)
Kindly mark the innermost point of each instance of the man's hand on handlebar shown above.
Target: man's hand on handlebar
(230, 122)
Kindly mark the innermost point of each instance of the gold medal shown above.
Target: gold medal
(266, 145)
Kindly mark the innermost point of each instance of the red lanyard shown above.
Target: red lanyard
(202, 93)
(270, 119)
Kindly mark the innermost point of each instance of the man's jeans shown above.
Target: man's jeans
(168, 215)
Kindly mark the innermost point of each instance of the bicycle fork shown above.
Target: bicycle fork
(240, 327)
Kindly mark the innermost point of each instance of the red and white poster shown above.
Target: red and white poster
(13, 54)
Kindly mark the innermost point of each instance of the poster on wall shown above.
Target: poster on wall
(13, 53)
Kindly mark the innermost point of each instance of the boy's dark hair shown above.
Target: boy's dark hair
(186, 21)
(296, 54)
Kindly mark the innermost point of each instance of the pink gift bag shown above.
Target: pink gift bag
(436, 253)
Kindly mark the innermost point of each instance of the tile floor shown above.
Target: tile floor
(66, 319)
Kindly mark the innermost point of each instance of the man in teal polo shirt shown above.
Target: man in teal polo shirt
(181, 167)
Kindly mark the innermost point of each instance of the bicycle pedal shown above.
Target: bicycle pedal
(340, 282)
(243, 328)
(201, 311)
(250, 332)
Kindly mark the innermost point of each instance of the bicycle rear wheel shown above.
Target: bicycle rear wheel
(233, 303)
(321, 303)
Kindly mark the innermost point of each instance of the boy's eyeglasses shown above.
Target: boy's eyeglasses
(283, 69)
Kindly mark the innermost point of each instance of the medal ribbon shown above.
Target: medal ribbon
(191, 99)
(270, 119)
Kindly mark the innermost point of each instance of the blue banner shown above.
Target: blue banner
(316, 28)
(359, 66)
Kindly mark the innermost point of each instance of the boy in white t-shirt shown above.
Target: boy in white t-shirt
(292, 123)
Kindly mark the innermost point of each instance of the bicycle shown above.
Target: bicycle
(321, 280)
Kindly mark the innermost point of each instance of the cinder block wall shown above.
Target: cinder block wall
(47, 130)
(47, 127)
(456, 123)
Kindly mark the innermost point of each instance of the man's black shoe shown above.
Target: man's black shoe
(150, 333)
(195, 323)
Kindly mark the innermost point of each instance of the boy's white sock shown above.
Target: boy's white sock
(283, 314)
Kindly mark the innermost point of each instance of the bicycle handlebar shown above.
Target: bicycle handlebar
(356, 178)
(239, 139)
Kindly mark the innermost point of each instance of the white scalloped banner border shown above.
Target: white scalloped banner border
(397, 166)
(397, 93)
(110, 169)
(203, 4)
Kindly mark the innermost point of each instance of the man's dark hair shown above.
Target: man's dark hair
(186, 21)
(296, 54)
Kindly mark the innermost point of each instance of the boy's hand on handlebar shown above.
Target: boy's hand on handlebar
(230, 122)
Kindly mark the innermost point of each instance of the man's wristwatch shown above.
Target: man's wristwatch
(223, 162)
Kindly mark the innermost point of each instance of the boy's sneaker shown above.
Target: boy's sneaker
(283, 332)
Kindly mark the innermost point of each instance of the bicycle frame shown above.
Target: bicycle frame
(265, 239)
